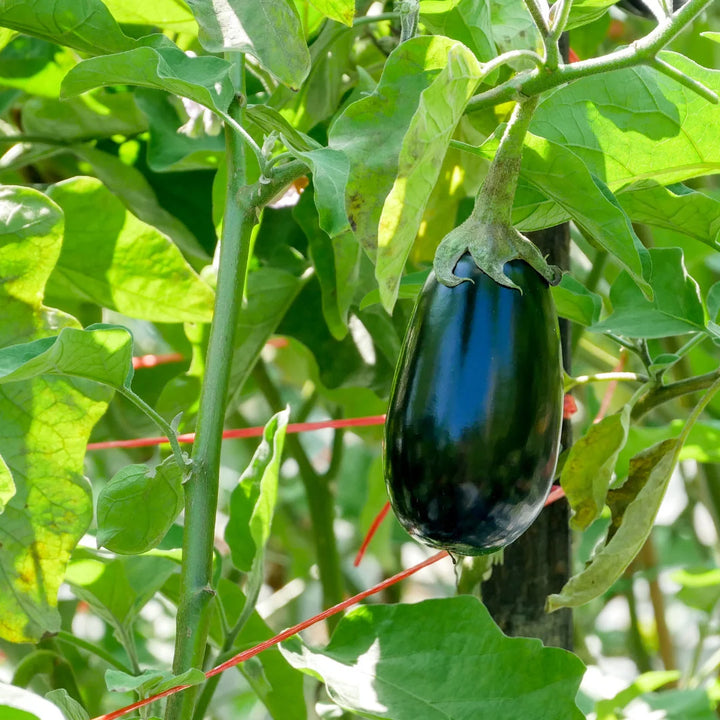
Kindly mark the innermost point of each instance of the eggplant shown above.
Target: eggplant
(472, 433)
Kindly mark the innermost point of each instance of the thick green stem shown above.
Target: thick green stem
(201, 491)
(642, 52)
(320, 501)
(665, 393)
(495, 200)
(226, 652)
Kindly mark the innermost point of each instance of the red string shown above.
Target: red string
(243, 432)
(369, 535)
(555, 494)
(148, 361)
(284, 635)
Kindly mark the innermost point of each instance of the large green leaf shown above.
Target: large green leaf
(384, 661)
(46, 424)
(252, 503)
(84, 25)
(676, 208)
(465, 20)
(587, 11)
(635, 125)
(130, 185)
(381, 120)
(203, 79)
(270, 30)
(100, 114)
(102, 353)
(676, 308)
(112, 258)
(34, 66)
(423, 148)
(170, 15)
(341, 10)
(118, 588)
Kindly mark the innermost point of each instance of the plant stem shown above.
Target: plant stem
(680, 77)
(552, 42)
(226, 652)
(65, 637)
(320, 501)
(642, 52)
(158, 419)
(201, 491)
(665, 393)
(605, 377)
(539, 19)
(494, 202)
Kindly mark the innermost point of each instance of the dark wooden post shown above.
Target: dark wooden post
(538, 563)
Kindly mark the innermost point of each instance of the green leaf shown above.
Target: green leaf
(168, 148)
(252, 503)
(647, 682)
(98, 115)
(102, 353)
(20, 704)
(468, 21)
(341, 10)
(423, 148)
(138, 196)
(71, 708)
(168, 15)
(203, 79)
(714, 36)
(636, 124)
(383, 662)
(700, 587)
(712, 302)
(84, 25)
(270, 30)
(100, 260)
(634, 507)
(575, 302)
(513, 28)
(151, 682)
(270, 120)
(336, 261)
(381, 120)
(138, 506)
(410, 285)
(118, 588)
(589, 467)
(34, 66)
(584, 12)
(675, 208)
(52, 506)
(7, 485)
(675, 310)
(270, 294)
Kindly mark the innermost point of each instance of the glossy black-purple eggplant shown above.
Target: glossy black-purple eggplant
(473, 426)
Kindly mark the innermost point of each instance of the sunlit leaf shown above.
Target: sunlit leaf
(383, 662)
(138, 506)
(268, 29)
(252, 503)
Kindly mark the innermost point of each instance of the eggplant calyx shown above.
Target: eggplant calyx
(491, 245)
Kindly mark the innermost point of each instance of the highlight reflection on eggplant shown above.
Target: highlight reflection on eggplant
(473, 426)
